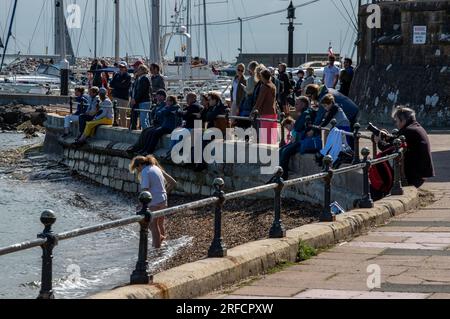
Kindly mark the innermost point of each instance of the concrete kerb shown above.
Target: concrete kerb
(255, 258)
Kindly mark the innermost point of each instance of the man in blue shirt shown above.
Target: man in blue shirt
(331, 74)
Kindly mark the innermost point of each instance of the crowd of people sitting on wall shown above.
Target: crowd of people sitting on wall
(314, 105)
(255, 88)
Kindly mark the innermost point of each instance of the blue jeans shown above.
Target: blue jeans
(144, 116)
(286, 152)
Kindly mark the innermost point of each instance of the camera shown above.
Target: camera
(375, 130)
(383, 134)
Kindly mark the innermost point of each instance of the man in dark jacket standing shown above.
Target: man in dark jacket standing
(286, 88)
(140, 102)
(158, 82)
(346, 77)
(120, 85)
(97, 76)
(418, 160)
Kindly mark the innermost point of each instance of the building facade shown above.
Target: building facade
(405, 62)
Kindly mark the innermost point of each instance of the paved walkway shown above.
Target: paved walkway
(412, 254)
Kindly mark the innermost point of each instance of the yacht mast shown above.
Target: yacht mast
(117, 31)
(206, 30)
(155, 45)
(62, 33)
(95, 27)
(64, 64)
(9, 34)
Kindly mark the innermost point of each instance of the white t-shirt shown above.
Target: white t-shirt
(330, 74)
(152, 179)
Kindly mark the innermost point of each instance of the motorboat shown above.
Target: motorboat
(46, 80)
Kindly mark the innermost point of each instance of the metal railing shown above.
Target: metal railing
(47, 240)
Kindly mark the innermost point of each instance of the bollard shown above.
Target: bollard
(115, 124)
(218, 249)
(278, 230)
(283, 130)
(71, 105)
(397, 189)
(366, 201)
(48, 218)
(356, 139)
(327, 215)
(141, 275)
(402, 163)
(255, 121)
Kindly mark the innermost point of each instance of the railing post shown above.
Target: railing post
(277, 230)
(256, 125)
(366, 201)
(141, 275)
(397, 189)
(283, 130)
(218, 249)
(356, 139)
(116, 115)
(71, 105)
(327, 215)
(374, 145)
(48, 218)
(404, 180)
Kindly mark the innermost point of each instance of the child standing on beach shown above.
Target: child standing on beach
(155, 180)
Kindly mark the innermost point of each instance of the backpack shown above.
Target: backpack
(381, 177)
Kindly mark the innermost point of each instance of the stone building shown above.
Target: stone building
(405, 62)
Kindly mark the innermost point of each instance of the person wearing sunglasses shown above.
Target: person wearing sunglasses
(238, 90)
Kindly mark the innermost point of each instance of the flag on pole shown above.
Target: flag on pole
(330, 50)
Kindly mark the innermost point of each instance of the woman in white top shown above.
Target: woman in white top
(155, 180)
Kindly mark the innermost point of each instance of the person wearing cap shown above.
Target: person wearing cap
(104, 116)
(137, 64)
(120, 85)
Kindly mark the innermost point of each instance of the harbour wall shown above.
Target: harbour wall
(33, 99)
